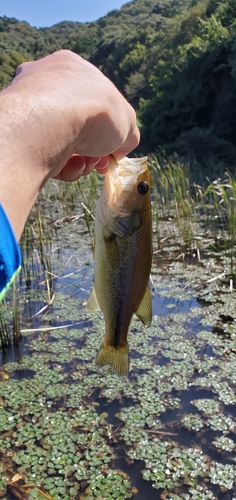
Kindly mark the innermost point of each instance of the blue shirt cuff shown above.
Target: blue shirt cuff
(10, 255)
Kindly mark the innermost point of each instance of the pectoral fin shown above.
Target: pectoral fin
(144, 311)
(92, 304)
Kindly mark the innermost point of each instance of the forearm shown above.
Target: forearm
(34, 146)
(20, 177)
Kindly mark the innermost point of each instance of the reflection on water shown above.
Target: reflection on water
(163, 305)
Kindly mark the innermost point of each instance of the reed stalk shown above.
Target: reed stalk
(224, 199)
(5, 332)
(173, 192)
(16, 314)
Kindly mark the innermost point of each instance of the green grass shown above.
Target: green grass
(201, 214)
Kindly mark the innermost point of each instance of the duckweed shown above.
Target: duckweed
(224, 443)
(223, 474)
(208, 406)
(112, 484)
(192, 422)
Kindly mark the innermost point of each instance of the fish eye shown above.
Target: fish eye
(143, 188)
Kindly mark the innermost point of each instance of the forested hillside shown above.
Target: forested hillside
(175, 61)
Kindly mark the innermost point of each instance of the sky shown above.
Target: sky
(45, 13)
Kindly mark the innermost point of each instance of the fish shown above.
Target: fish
(122, 257)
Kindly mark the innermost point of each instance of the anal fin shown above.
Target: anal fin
(144, 311)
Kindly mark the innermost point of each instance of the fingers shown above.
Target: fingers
(72, 170)
(78, 165)
(101, 166)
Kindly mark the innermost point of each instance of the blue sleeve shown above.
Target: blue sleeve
(10, 255)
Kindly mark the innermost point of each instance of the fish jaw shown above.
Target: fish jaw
(120, 180)
(126, 171)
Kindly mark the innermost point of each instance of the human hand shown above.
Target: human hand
(60, 117)
(78, 114)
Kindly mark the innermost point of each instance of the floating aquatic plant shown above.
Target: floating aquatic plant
(223, 474)
(181, 384)
(113, 484)
(209, 406)
(224, 443)
(192, 422)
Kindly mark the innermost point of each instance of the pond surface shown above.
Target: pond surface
(168, 431)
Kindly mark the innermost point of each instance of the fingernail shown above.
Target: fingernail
(103, 163)
(81, 169)
(92, 164)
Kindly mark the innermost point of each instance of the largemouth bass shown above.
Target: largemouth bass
(122, 257)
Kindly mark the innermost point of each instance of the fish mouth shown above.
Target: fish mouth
(127, 170)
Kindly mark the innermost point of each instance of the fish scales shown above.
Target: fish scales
(122, 257)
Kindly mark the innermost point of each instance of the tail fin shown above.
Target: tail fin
(118, 358)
